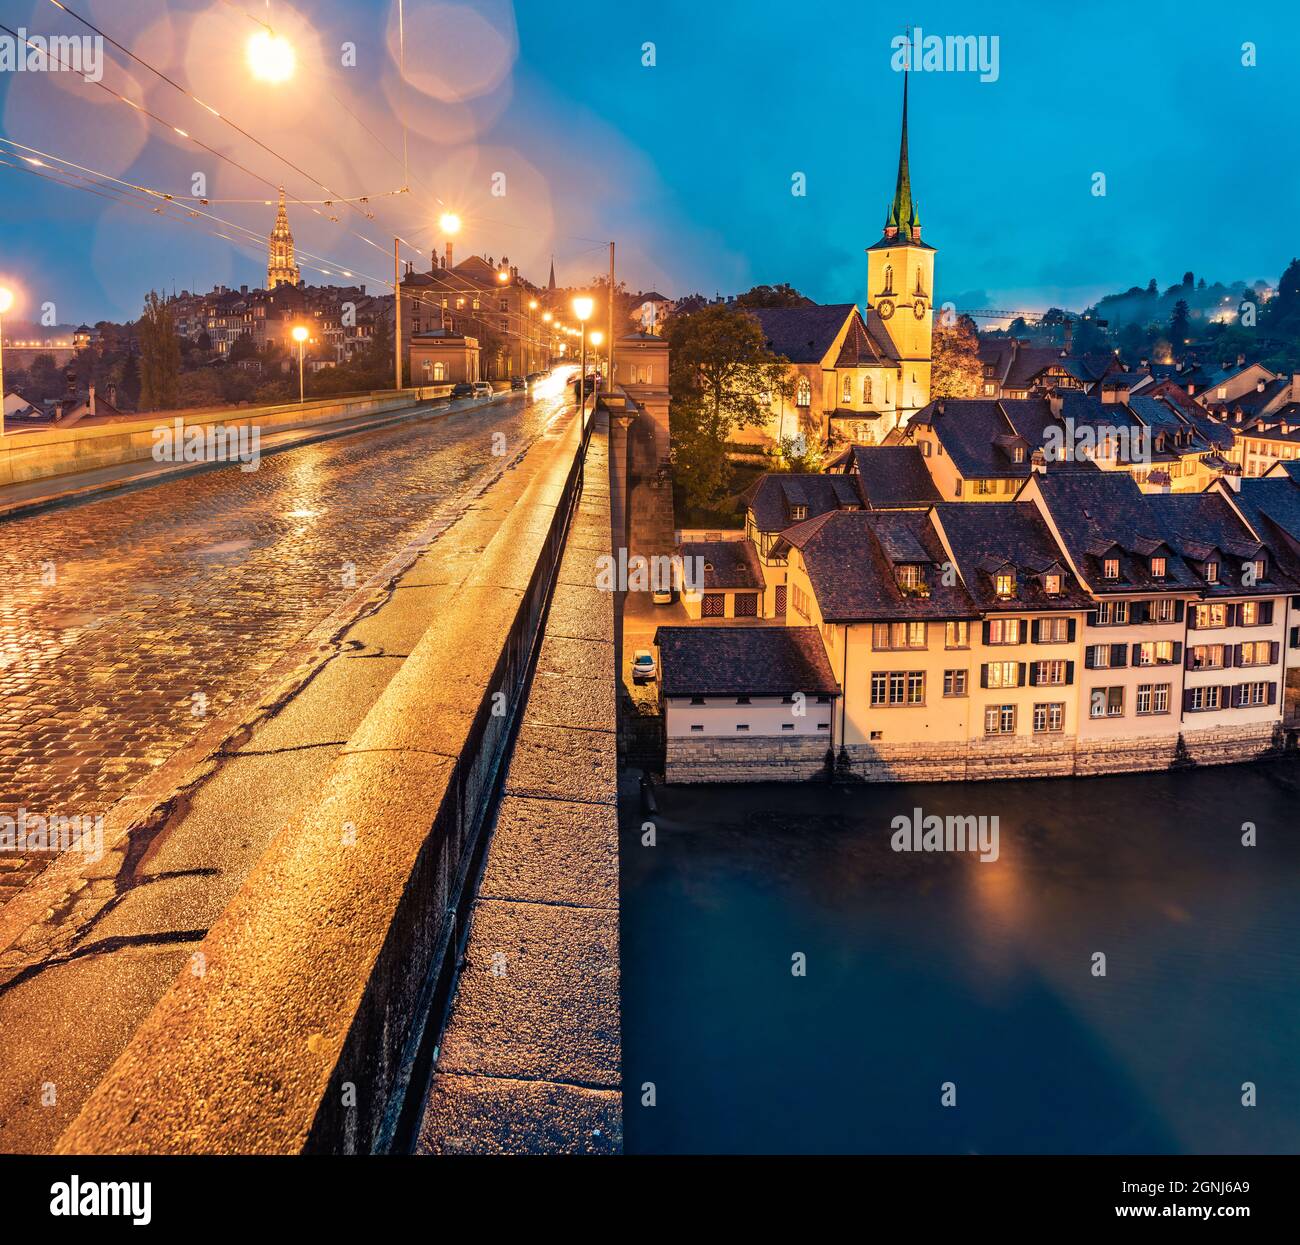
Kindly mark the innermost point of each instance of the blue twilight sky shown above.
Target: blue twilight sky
(687, 164)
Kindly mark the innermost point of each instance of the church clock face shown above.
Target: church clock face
(885, 307)
(918, 309)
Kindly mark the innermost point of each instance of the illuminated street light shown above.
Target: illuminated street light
(582, 308)
(6, 302)
(300, 335)
(547, 317)
(270, 57)
(532, 304)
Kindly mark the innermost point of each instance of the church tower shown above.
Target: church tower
(280, 266)
(900, 281)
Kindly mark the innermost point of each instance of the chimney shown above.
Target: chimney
(446, 255)
(1259, 386)
(1241, 360)
(1295, 386)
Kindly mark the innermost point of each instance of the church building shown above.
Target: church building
(859, 373)
(281, 267)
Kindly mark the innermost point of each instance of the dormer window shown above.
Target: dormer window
(798, 512)
(1158, 568)
(911, 579)
(1004, 584)
(1018, 454)
(1211, 572)
(1258, 571)
(1052, 585)
(1110, 568)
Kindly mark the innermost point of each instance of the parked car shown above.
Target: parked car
(517, 382)
(643, 666)
(534, 377)
(482, 389)
(662, 596)
(462, 390)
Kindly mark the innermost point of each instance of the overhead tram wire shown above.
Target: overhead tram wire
(156, 200)
(225, 120)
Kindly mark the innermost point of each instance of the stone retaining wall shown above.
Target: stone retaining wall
(800, 760)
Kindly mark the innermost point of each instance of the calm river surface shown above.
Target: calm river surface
(934, 968)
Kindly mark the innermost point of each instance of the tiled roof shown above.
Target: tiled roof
(1272, 505)
(773, 496)
(969, 428)
(727, 563)
(743, 661)
(848, 558)
(987, 537)
(858, 349)
(890, 476)
(802, 334)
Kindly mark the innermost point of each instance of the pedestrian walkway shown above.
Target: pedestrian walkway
(530, 1060)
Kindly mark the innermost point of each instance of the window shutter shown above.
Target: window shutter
(1088, 654)
(1092, 618)
(1272, 693)
(1231, 656)
(988, 630)
(1069, 672)
(1187, 700)
(1237, 690)
(1178, 651)
(1266, 612)
(1137, 653)
(1225, 696)
(1119, 655)
(984, 675)
(1180, 609)
(1138, 612)
(1231, 611)
(1033, 630)
(1191, 618)
(1022, 675)
(1187, 658)
(1070, 629)
(1274, 652)
(1033, 674)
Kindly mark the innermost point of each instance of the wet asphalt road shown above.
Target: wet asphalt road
(127, 622)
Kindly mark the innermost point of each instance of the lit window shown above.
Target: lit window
(803, 392)
(1211, 572)
(1110, 568)
(1005, 584)
(956, 635)
(1052, 585)
(848, 389)
(1157, 568)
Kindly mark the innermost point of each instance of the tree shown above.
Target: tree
(722, 378)
(128, 389)
(957, 370)
(242, 348)
(782, 295)
(160, 356)
(1152, 287)
(799, 454)
(44, 379)
(1178, 324)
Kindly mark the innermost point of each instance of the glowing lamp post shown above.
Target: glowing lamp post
(6, 302)
(300, 335)
(270, 57)
(597, 338)
(582, 308)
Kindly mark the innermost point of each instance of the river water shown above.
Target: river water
(935, 974)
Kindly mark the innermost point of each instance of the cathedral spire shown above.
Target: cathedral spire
(902, 218)
(281, 268)
(551, 286)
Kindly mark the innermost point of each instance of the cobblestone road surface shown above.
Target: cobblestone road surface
(118, 615)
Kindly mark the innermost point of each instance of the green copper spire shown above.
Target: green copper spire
(902, 210)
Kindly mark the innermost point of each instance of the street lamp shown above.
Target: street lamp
(270, 57)
(597, 338)
(6, 302)
(300, 335)
(582, 308)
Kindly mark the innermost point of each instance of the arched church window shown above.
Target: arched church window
(866, 391)
(439, 371)
(889, 279)
(803, 392)
(848, 389)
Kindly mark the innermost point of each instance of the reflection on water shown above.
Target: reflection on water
(931, 968)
